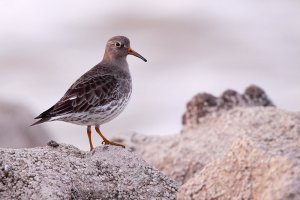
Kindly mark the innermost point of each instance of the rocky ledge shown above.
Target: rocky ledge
(62, 171)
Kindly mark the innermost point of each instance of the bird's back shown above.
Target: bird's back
(96, 97)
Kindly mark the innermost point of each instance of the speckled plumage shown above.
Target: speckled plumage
(95, 98)
(100, 94)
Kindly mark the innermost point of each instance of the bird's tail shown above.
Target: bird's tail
(41, 121)
(43, 117)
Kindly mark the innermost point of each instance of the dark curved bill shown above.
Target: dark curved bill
(134, 53)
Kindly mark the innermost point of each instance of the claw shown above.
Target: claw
(107, 142)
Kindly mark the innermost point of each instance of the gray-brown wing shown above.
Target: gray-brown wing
(85, 94)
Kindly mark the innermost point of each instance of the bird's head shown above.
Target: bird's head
(119, 47)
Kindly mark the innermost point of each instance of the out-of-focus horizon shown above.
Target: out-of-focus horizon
(191, 47)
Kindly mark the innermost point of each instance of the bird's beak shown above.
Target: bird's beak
(132, 52)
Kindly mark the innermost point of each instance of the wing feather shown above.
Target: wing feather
(83, 95)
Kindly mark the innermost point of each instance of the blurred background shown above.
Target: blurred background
(191, 47)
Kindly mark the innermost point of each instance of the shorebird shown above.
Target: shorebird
(100, 94)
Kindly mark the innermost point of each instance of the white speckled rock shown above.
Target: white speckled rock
(64, 172)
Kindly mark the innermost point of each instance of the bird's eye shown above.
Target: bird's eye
(118, 44)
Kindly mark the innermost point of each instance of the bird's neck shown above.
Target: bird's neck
(119, 62)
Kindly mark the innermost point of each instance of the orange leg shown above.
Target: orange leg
(89, 133)
(106, 141)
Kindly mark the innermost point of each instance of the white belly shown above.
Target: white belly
(97, 115)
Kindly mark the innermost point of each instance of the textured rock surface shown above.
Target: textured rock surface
(210, 126)
(243, 148)
(203, 104)
(250, 170)
(181, 156)
(14, 128)
(64, 172)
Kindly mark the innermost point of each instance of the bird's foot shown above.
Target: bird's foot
(107, 142)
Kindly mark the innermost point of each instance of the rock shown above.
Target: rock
(15, 132)
(231, 147)
(203, 104)
(250, 170)
(211, 124)
(64, 172)
(242, 152)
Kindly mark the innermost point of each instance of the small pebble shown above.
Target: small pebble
(52, 143)
(7, 169)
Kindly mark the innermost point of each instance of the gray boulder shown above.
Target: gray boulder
(63, 172)
(15, 132)
(247, 151)
(249, 170)
(210, 126)
(204, 104)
